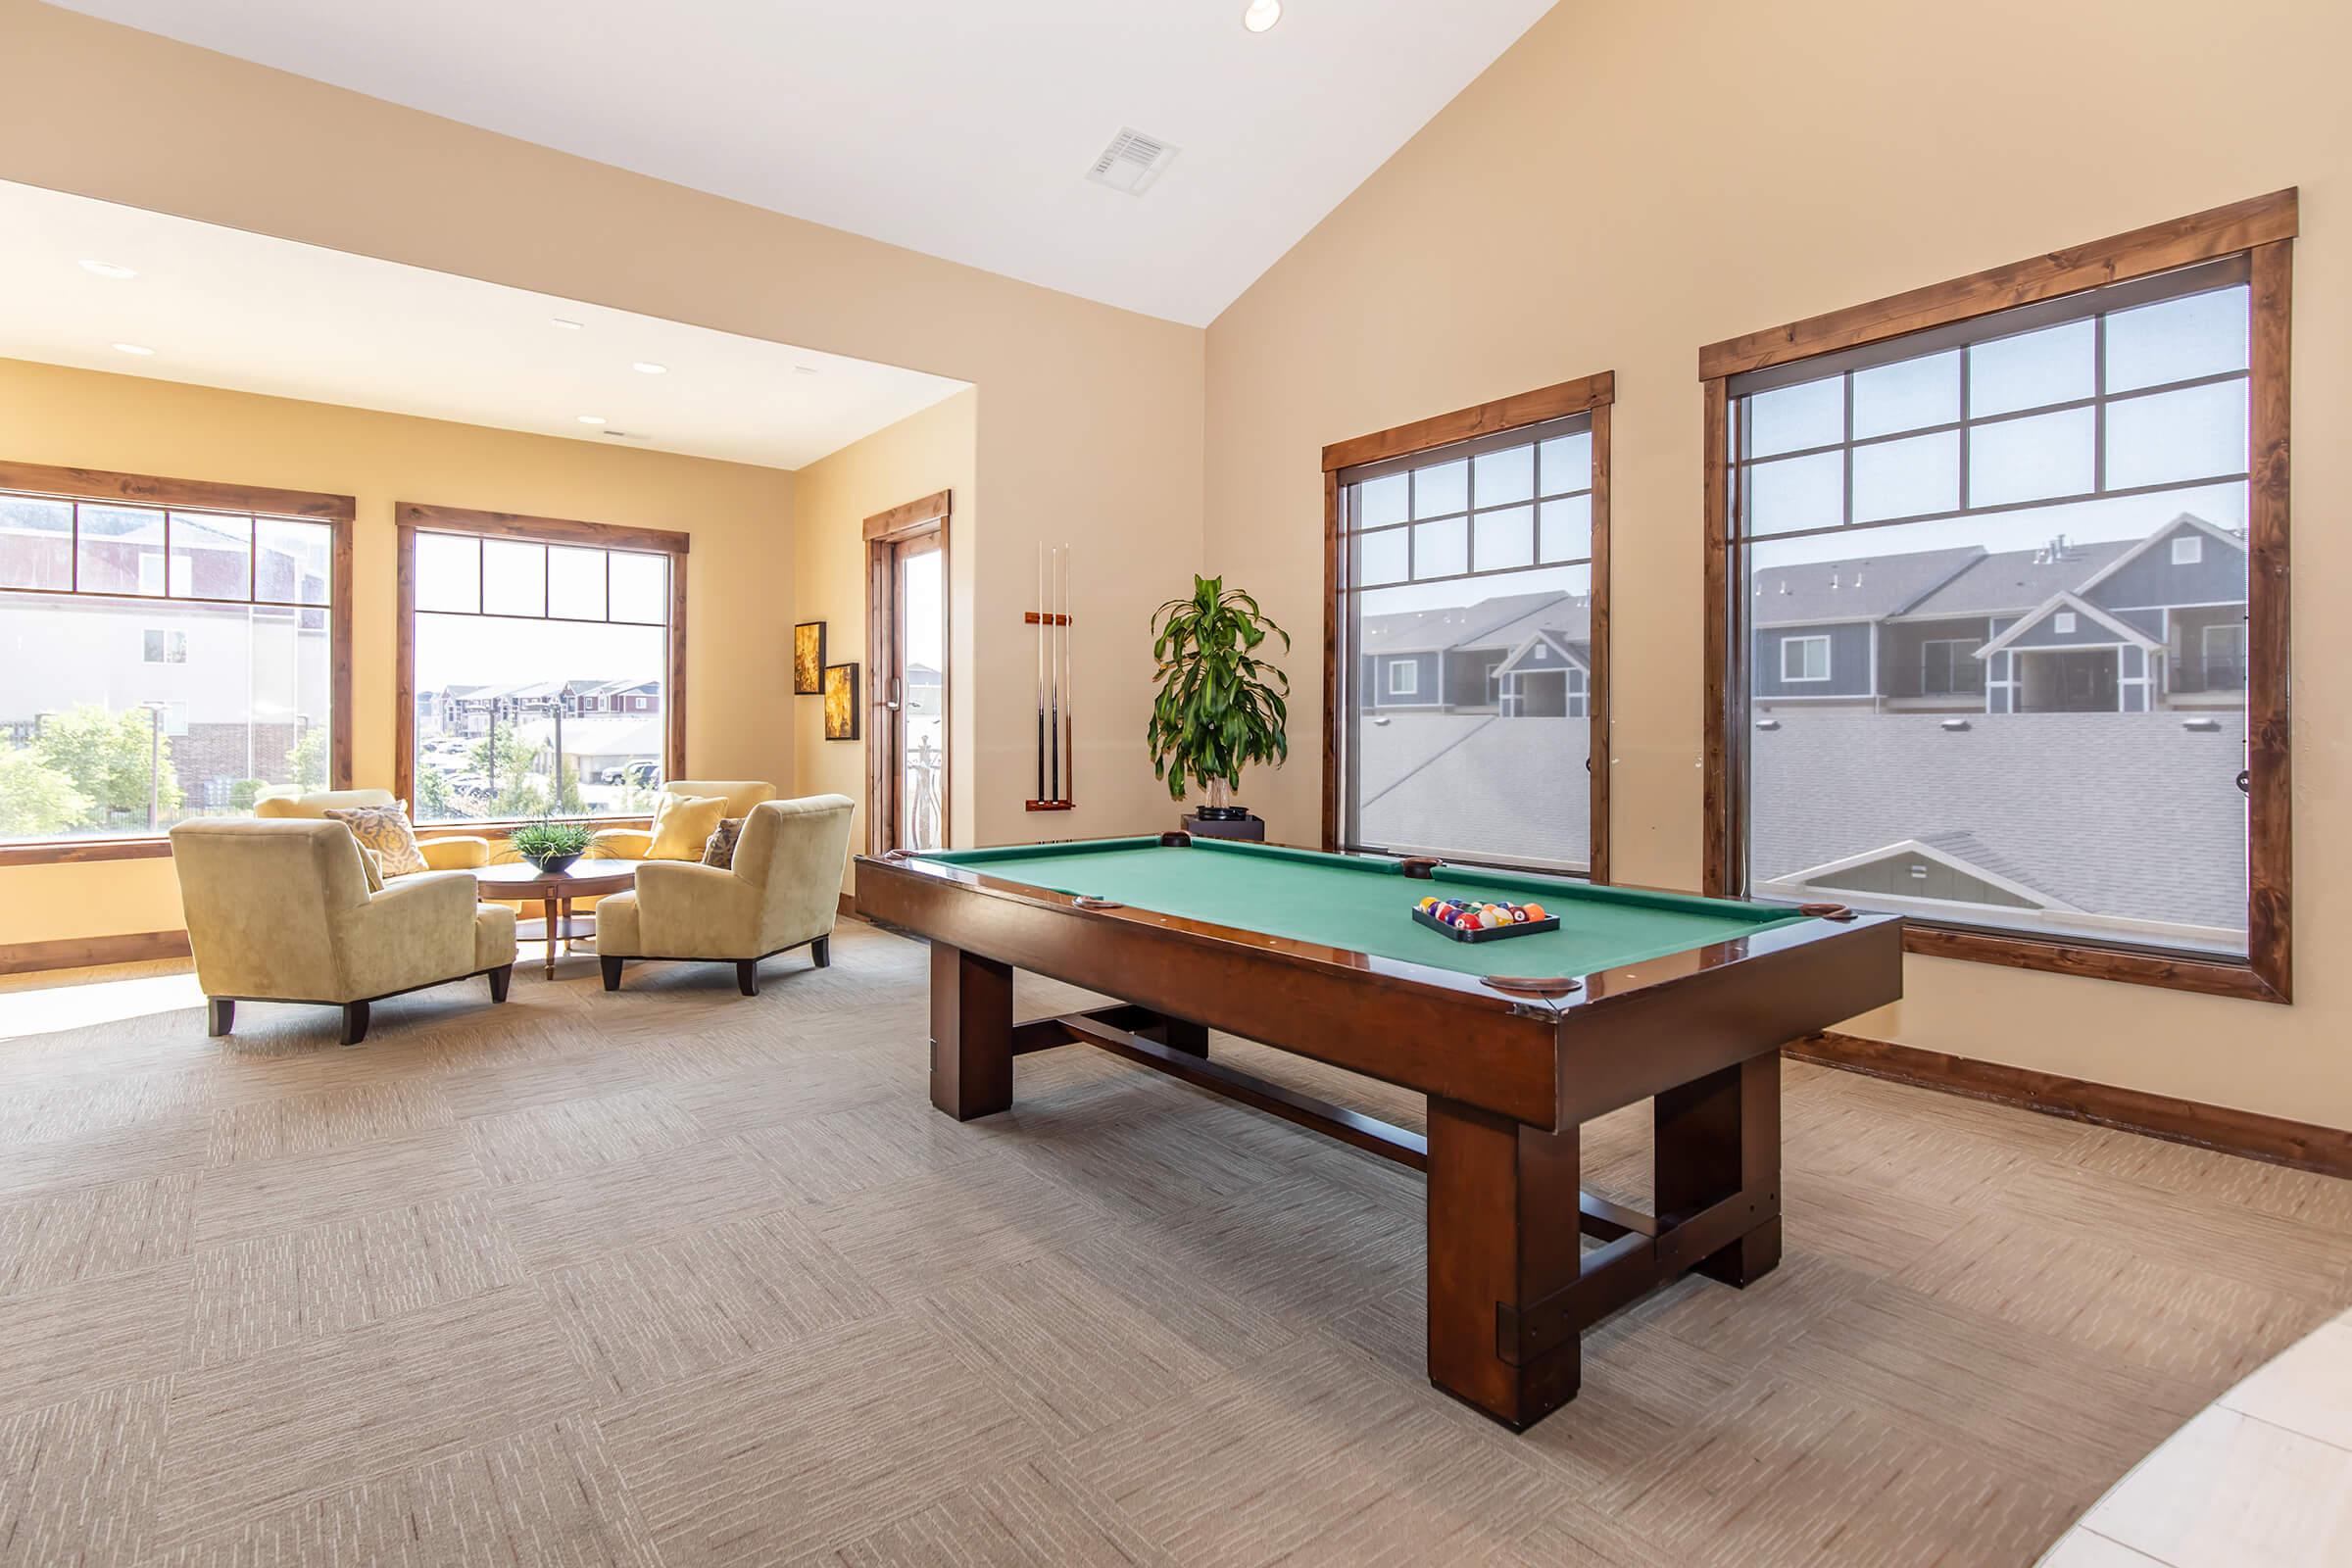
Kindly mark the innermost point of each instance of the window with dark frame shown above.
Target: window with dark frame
(1466, 634)
(169, 650)
(2047, 524)
(540, 668)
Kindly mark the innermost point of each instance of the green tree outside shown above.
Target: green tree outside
(106, 757)
(36, 800)
(307, 760)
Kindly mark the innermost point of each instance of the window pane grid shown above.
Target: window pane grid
(660, 616)
(171, 549)
(1782, 463)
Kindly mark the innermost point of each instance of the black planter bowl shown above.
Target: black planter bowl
(1222, 813)
(552, 864)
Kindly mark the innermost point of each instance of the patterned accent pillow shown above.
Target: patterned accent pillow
(721, 850)
(385, 830)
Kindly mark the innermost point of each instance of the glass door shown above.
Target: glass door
(918, 686)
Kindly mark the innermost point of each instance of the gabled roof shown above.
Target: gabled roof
(2010, 582)
(1568, 617)
(1961, 850)
(2151, 542)
(2129, 814)
(1572, 653)
(2082, 607)
(1421, 631)
(1857, 588)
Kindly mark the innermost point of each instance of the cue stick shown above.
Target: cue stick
(1041, 669)
(1054, 733)
(1069, 706)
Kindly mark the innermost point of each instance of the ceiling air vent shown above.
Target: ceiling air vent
(623, 435)
(1132, 162)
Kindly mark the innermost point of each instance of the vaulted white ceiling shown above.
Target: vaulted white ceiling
(219, 306)
(963, 128)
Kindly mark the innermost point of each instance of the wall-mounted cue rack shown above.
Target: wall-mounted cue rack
(1056, 748)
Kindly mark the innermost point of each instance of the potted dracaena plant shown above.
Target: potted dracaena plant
(1220, 705)
(552, 846)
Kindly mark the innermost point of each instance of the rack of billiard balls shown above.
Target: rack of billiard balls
(1481, 921)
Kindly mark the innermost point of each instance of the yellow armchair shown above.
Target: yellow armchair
(631, 843)
(782, 892)
(455, 852)
(281, 911)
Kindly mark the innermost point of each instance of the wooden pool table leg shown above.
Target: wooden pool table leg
(1718, 1136)
(1502, 1233)
(972, 1033)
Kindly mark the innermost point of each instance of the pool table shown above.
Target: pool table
(1637, 994)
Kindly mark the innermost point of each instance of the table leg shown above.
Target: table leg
(1502, 1233)
(1717, 1137)
(972, 1033)
(549, 908)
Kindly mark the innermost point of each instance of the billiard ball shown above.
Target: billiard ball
(1535, 912)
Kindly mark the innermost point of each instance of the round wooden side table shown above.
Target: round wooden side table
(520, 882)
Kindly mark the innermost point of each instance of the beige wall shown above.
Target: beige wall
(737, 576)
(919, 456)
(1632, 182)
(1090, 419)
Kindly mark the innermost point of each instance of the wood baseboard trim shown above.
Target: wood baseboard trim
(848, 908)
(83, 953)
(2303, 1145)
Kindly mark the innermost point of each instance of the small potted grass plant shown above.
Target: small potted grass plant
(1220, 706)
(552, 846)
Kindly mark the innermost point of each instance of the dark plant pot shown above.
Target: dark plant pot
(552, 864)
(1222, 813)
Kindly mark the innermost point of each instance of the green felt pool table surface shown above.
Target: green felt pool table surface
(1365, 903)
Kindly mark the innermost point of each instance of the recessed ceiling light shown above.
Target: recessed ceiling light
(649, 367)
(1261, 15)
(592, 419)
(140, 349)
(567, 326)
(114, 270)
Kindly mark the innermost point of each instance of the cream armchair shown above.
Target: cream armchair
(281, 911)
(782, 892)
(457, 852)
(631, 843)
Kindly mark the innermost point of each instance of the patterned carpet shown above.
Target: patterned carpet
(679, 1277)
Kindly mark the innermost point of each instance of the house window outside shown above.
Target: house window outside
(2091, 449)
(156, 664)
(1948, 668)
(1805, 659)
(541, 677)
(1476, 559)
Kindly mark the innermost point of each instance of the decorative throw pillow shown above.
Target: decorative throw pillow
(385, 830)
(683, 824)
(721, 850)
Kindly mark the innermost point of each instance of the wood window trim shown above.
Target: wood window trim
(2263, 228)
(884, 530)
(411, 517)
(1595, 394)
(303, 505)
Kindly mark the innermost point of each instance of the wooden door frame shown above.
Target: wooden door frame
(885, 531)
(1591, 395)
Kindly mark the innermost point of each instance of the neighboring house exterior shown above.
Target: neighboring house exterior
(2117, 627)
(1522, 655)
(469, 710)
(235, 686)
